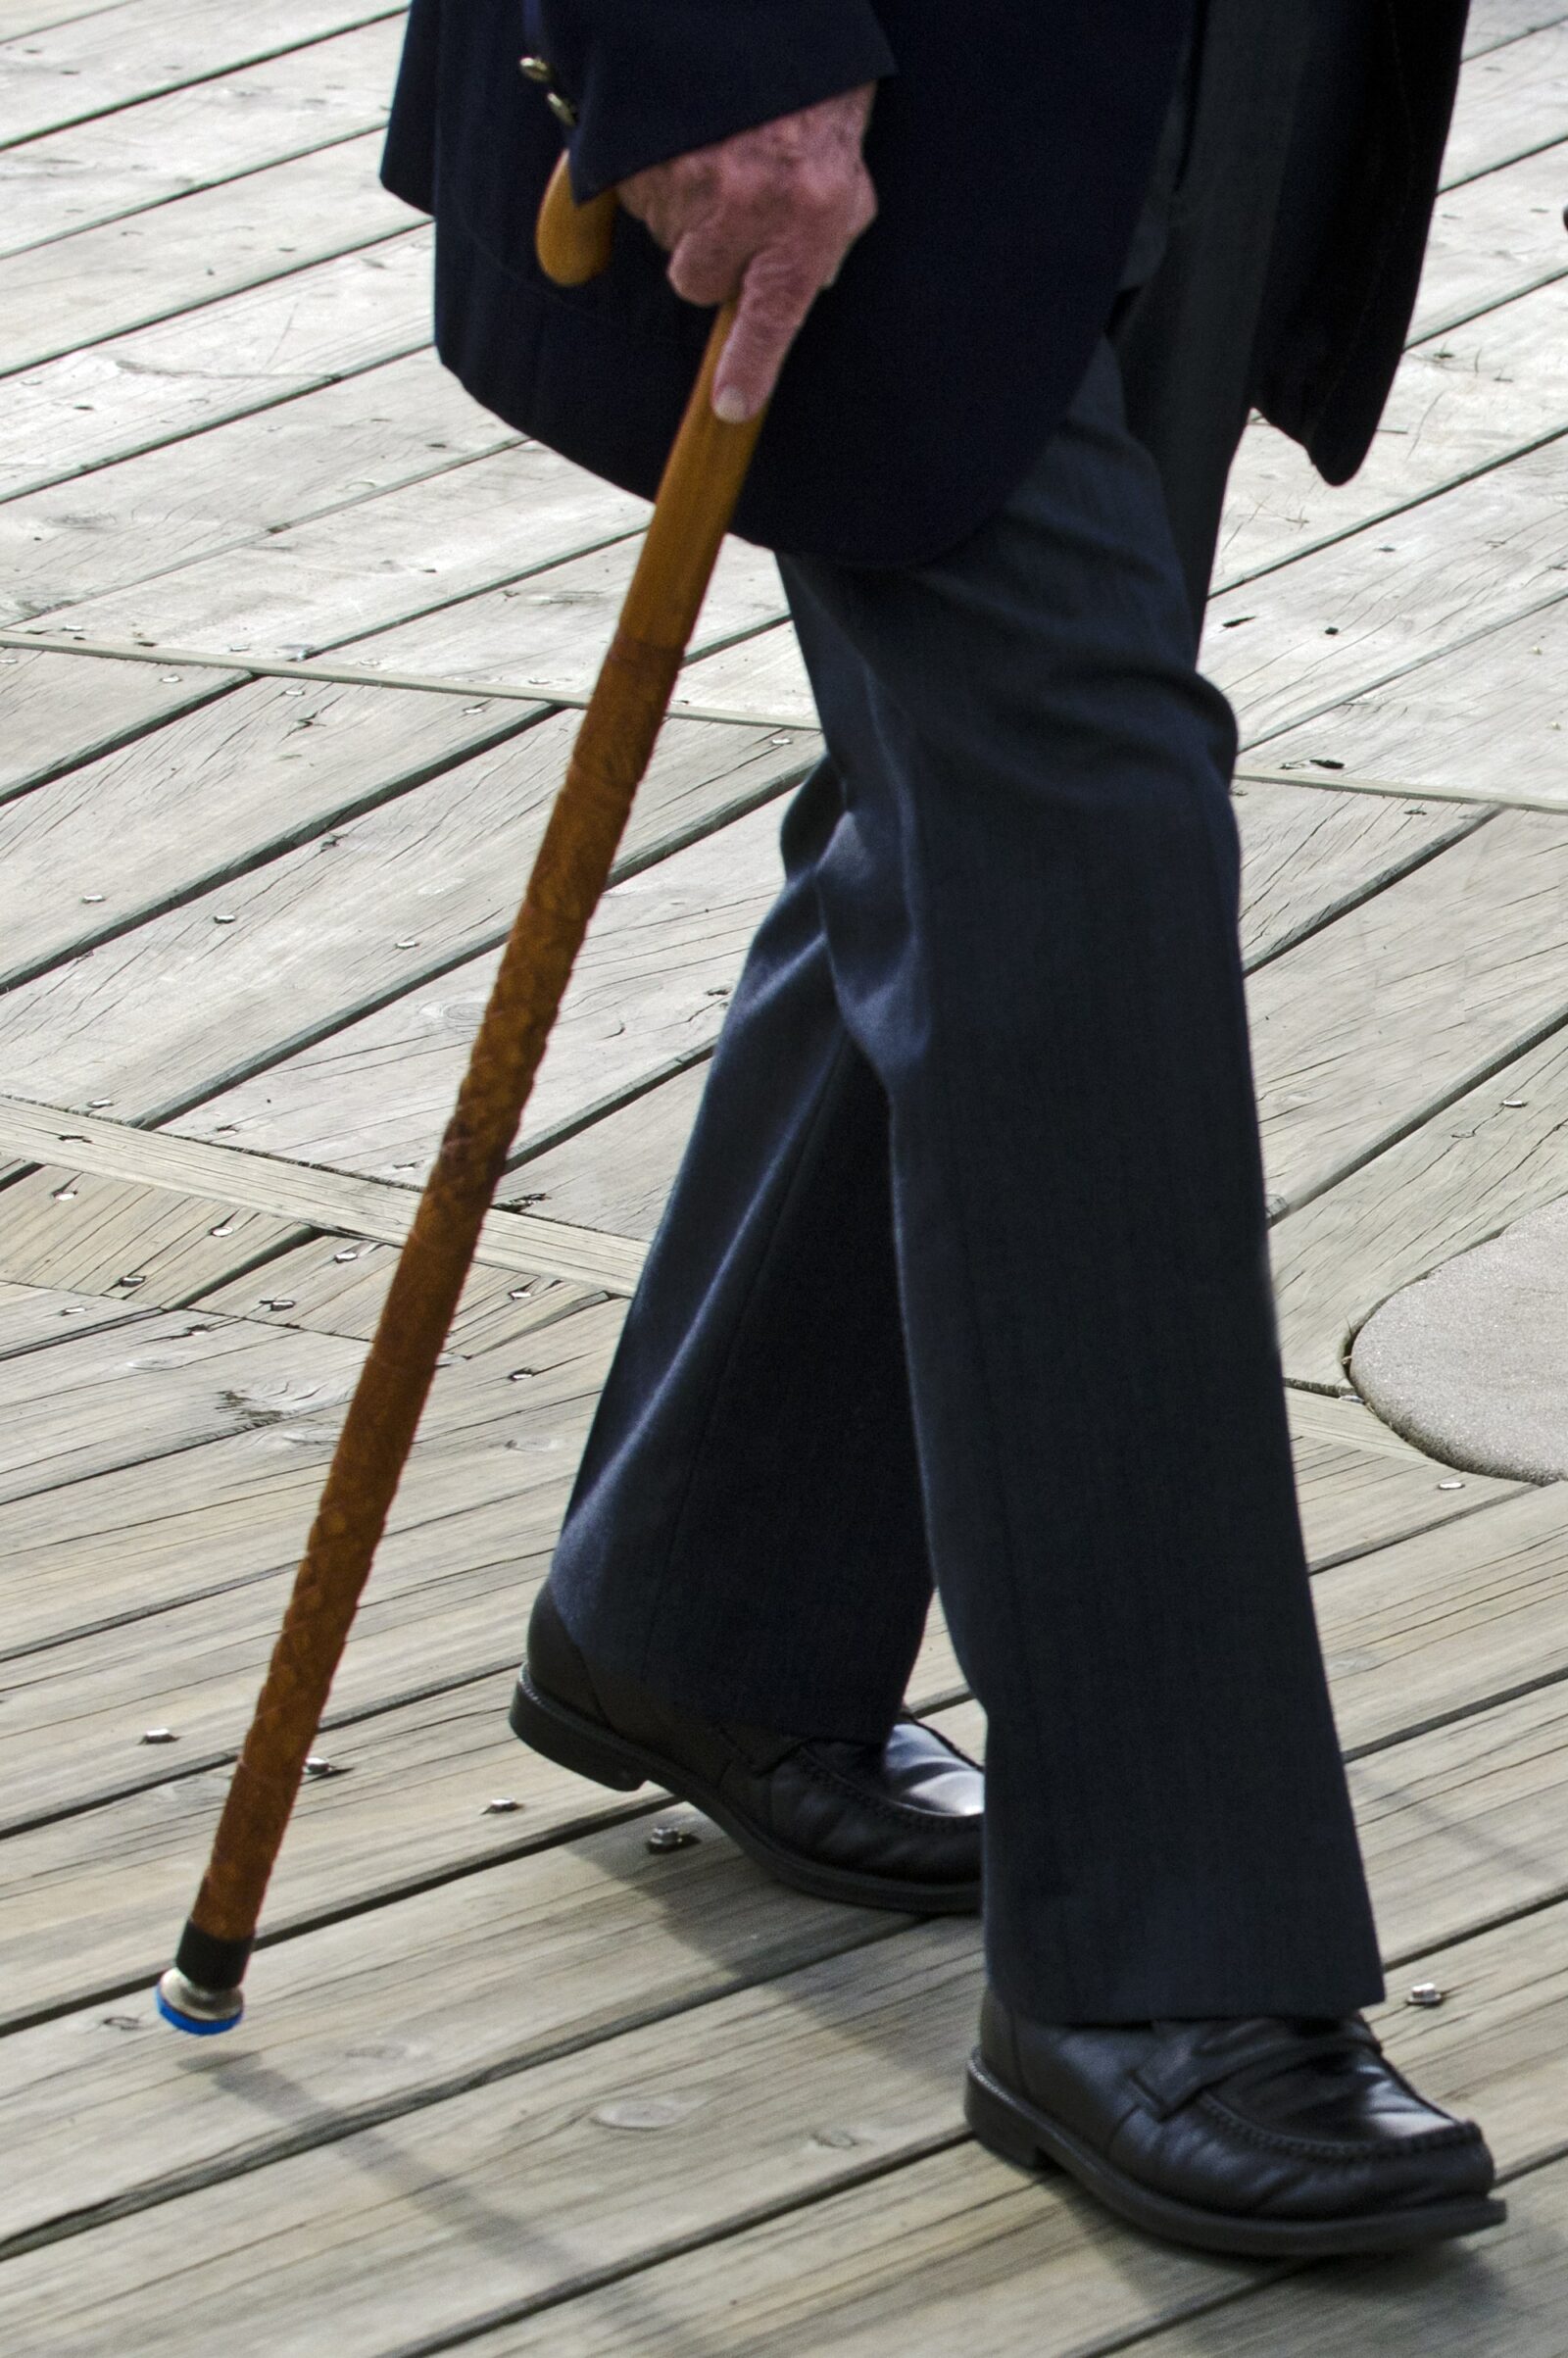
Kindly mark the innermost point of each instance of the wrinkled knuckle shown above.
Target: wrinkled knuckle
(740, 183)
(825, 188)
(692, 173)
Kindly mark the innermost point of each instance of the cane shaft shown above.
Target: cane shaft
(695, 500)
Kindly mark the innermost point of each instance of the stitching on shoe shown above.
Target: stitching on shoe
(1446, 2139)
(879, 1803)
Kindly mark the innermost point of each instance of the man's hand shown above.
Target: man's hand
(768, 217)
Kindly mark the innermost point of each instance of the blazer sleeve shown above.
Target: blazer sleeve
(654, 79)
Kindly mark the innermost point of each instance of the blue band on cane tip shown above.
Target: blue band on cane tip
(200, 2013)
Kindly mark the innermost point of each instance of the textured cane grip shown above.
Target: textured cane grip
(613, 749)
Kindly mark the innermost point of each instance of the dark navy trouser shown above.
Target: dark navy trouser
(965, 1271)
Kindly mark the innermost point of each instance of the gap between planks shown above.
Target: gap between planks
(545, 693)
(116, 91)
(359, 675)
(206, 138)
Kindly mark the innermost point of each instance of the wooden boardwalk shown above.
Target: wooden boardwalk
(292, 638)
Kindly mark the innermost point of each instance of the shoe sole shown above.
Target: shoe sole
(575, 1743)
(1019, 2132)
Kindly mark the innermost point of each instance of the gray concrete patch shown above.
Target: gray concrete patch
(1470, 1364)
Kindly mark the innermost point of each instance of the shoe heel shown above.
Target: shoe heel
(1001, 2125)
(572, 1744)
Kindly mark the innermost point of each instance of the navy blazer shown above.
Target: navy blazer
(1011, 145)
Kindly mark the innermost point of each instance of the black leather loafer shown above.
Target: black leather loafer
(1272, 2139)
(895, 1825)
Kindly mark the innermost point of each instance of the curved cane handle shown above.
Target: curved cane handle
(572, 240)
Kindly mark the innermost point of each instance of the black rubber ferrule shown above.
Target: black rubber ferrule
(211, 1963)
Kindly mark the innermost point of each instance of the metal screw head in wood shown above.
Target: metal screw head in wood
(202, 1992)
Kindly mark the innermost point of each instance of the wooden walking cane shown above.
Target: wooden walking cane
(202, 1990)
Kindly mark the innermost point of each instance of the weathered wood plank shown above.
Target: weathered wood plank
(1494, 21)
(763, 677)
(214, 1544)
(244, 779)
(32, 1315)
(863, 2048)
(294, 1194)
(556, 627)
(1361, 611)
(1491, 240)
(1362, 1489)
(447, 1607)
(651, 986)
(1498, 1152)
(605, 1927)
(1462, 962)
(333, 579)
(87, 66)
(62, 1227)
(1481, 718)
(1512, 99)
(1469, 399)
(618, 1172)
(140, 1540)
(236, 979)
(1308, 856)
(160, 384)
(59, 710)
(32, 15)
(325, 450)
(109, 281)
(1504, 2299)
(426, 1627)
(89, 1900)
(162, 1384)
(194, 138)
(1454, 1618)
(1463, 1827)
(907, 2264)
(908, 2267)
(335, 1288)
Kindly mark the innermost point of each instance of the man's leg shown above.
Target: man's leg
(1030, 907)
(746, 1534)
(743, 1578)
